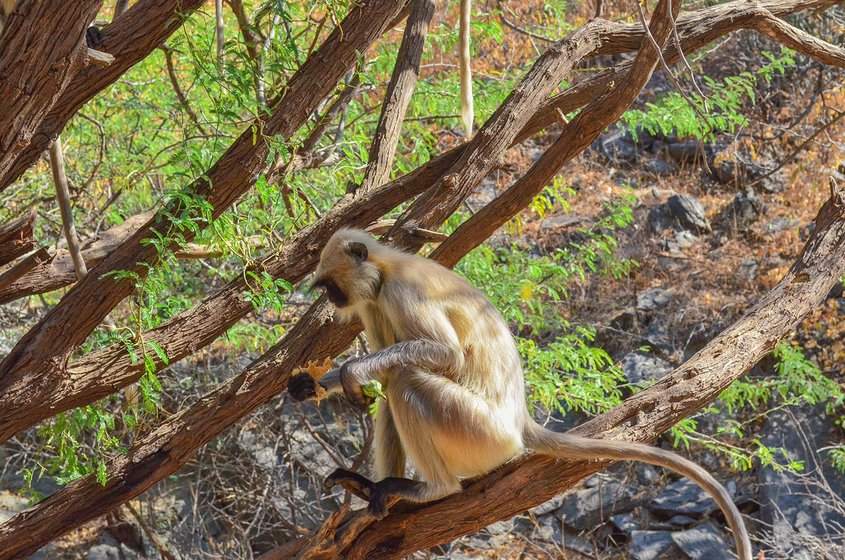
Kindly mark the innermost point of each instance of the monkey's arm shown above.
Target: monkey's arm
(427, 354)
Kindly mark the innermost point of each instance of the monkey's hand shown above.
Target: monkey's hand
(353, 377)
(302, 387)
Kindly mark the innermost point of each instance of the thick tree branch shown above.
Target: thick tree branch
(129, 38)
(399, 90)
(54, 43)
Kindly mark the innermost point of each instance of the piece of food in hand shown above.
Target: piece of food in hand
(317, 370)
(373, 390)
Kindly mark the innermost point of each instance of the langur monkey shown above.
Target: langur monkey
(453, 378)
(93, 36)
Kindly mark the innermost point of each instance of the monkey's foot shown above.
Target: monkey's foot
(351, 481)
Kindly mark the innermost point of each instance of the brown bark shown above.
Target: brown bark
(16, 238)
(54, 43)
(398, 95)
(129, 38)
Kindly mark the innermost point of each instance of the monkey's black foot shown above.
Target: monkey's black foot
(93, 36)
(302, 387)
(348, 480)
(378, 502)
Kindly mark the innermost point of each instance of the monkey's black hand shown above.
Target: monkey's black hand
(302, 387)
(352, 378)
(93, 37)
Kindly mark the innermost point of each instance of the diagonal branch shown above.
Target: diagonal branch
(399, 91)
(799, 40)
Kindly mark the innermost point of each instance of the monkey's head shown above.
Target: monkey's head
(347, 272)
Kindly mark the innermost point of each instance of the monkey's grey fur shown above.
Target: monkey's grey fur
(453, 380)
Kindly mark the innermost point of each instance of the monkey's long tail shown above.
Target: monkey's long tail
(467, 113)
(564, 446)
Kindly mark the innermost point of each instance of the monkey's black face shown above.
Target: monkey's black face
(335, 294)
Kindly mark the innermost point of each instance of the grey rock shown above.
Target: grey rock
(554, 223)
(653, 299)
(588, 507)
(796, 509)
(653, 545)
(742, 212)
(548, 528)
(702, 543)
(640, 367)
(780, 223)
(689, 151)
(689, 212)
(549, 506)
(660, 167)
(617, 148)
(747, 270)
(625, 522)
(684, 497)
(103, 552)
(660, 219)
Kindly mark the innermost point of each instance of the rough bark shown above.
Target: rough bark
(54, 43)
(16, 238)
(129, 38)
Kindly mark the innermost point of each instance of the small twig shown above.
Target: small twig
(159, 544)
(57, 165)
(798, 150)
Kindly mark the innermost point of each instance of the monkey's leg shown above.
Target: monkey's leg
(389, 455)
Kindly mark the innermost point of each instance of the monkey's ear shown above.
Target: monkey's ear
(358, 250)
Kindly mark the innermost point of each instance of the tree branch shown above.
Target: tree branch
(398, 95)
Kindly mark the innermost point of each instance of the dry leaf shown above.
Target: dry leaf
(317, 370)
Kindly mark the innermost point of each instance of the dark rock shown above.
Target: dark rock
(703, 543)
(653, 545)
(625, 320)
(742, 212)
(660, 167)
(727, 169)
(657, 336)
(639, 367)
(689, 212)
(836, 291)
(805, 232)
(796, 509)
(682, 521)
(653, 299)
(684, 497)
(554, 223)
(689, 151)
(588, 507)
(619, 149)
(103, 552)
(641, 137)
(660, 218)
